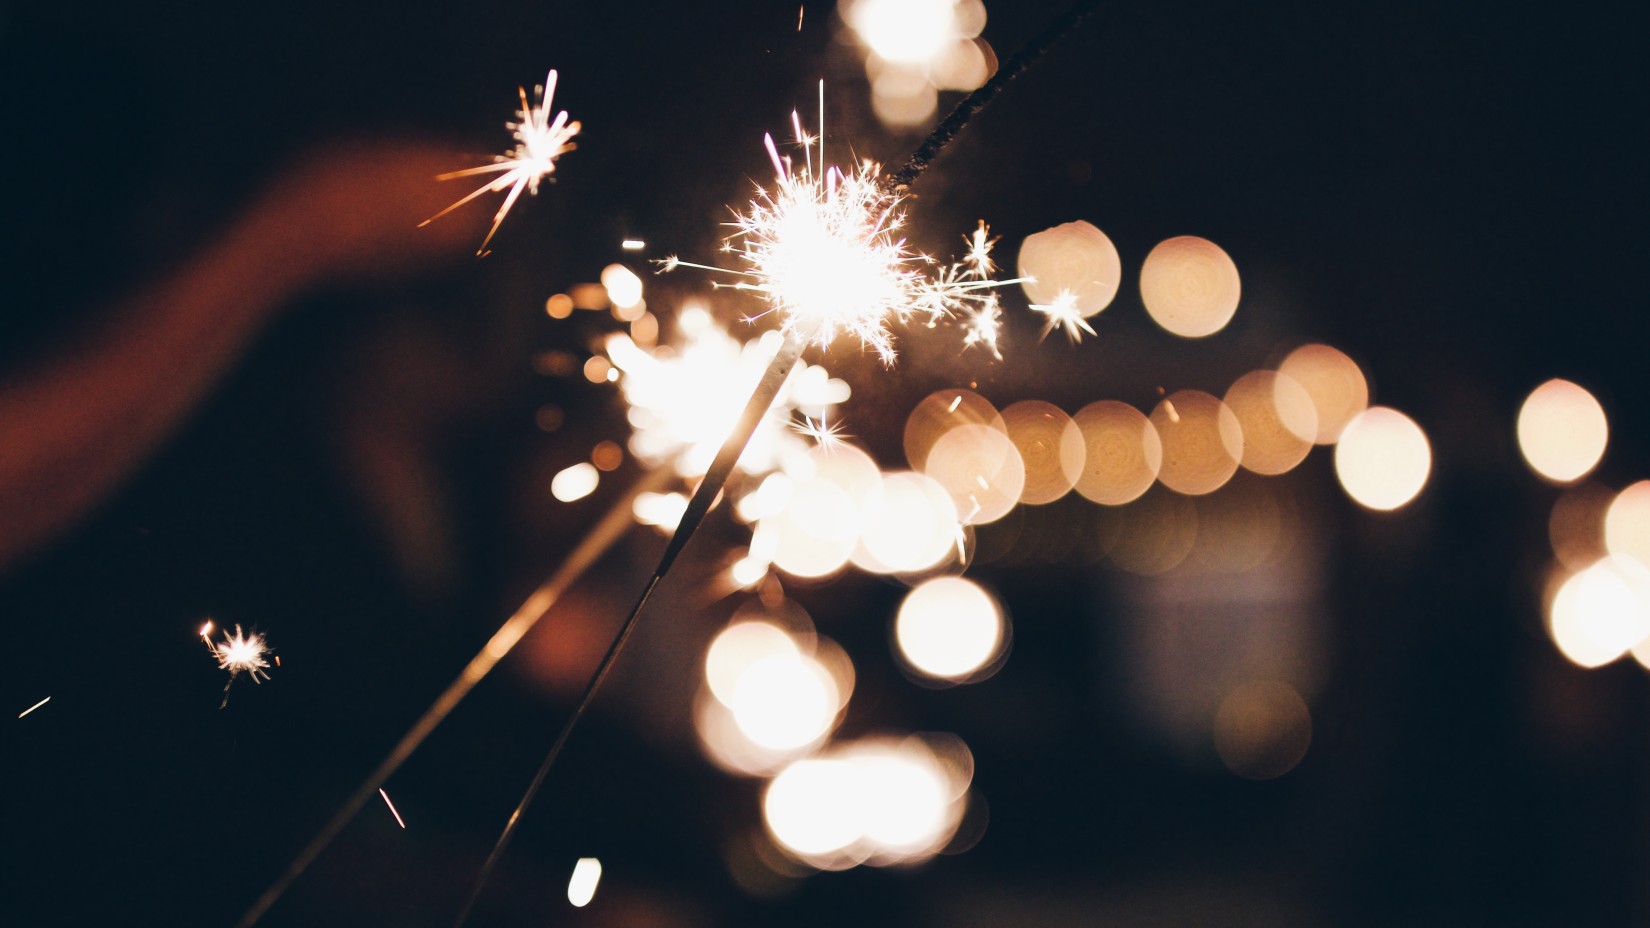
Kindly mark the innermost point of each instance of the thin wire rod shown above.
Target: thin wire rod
(949, 128)
(609, 529)
(779, 369)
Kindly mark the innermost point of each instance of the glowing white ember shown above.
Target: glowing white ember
(1065, 313)
(241, 653)
(581, 886)
(824, 248)
(540, 140)
(386, 796)
(34, 707)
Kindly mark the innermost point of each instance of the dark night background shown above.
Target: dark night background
(1452, 194)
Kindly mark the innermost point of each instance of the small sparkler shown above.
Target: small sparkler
(540, 140)
(1063, 312)
(824, 249)
(238, 653)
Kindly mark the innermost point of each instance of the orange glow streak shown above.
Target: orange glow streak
(34, 707)
(387, 802)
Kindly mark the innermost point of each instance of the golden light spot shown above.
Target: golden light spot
(1627, 523)
(940, 412)
(1202, 442)
(1190, 286)
(1277, 418)
(1051, 447)
(581, 887)
(949, 628)
(1262, 730)
(559, 306)
(1122, 452)
(588, 296)
(913, 527)
(607, 456)
(1601, 612)
(1333, 381)
(1576, 525)
(785, 701)
(1382, 459)
(1562, 431)
(574, 482)
(624, 288)
(1072, 258)
(981, 469)
(738, 646)
(598, 369)
(1156, 534)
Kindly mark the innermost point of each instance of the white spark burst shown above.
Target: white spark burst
(238, 653)
(540, 140)
(981, 325)
(1063, 312)
(824, 249)
(825, 434)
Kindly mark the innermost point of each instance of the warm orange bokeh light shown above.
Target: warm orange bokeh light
(1051, 447)
(1122, 452)
(940, 412)
(1072, 261)
(1337, 387)
(1562, 431)
(1190, 286)
(1278, 421)
(1202, 442)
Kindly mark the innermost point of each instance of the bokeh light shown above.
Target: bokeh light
(828, 504)
(1073, 260)
(575, 482)
(1051, 448)
(1382, 459)
(581, 886)
(1122, 452)
(624, 289)
(949, 628)
(1190, 286)
(739, 646)
(1562, 431)
(1202, 442)
(1601, 612)
(913, 528)
(1627, 523)
(1262, 730)
(1277, 419)
(940, 412)
(882, 802)
(1337, 387)
(981, 469)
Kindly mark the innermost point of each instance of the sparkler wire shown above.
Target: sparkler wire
(948, 129)
(609, 529)
(778, 370)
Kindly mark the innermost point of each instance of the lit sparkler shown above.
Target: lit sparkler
(824, 249)
(1063, 312)
(238, 653)
(540, 140)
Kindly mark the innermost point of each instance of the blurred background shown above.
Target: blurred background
(1289, 677)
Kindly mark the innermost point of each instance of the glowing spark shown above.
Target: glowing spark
(34, 707)
(206, 630)
(981, 325)
(956, 401)
(387, 802)
(824, 434)
(978, 258)
(581, 886)
(632, 244)
(540, 140)
(238, 653)
(824, 249)
(1063, 312)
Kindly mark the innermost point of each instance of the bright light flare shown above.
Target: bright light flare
(581, 887)
(393, 811)
(949, 629)
(242, 653)
(881, 802)
(1601, 612)
(824, 249)
(540, 140)
(576, 482)
(34, 707)
(1382, 459)
(1562, 431)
